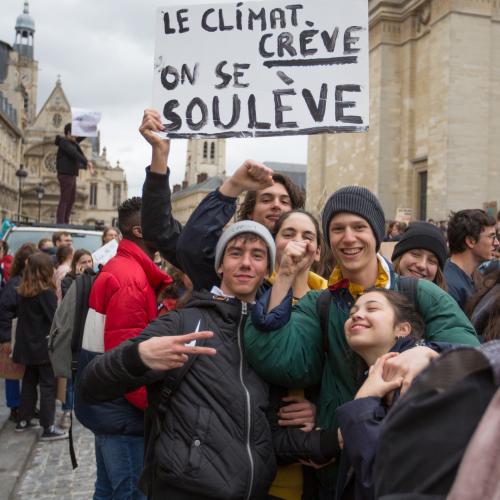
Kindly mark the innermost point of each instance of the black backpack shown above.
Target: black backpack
(426, 433)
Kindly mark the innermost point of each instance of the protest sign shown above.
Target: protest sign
(84, 122)
(256, 69)
(103, 254)
(404, 215)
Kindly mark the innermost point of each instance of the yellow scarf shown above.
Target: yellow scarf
(356, 290)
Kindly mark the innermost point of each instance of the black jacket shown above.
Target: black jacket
(216, 440)
(66, 282)
(9, 300)
(34, 318)
(192, 248)
(70, 157)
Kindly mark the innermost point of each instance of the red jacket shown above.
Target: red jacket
(123, 302)
(5, 264)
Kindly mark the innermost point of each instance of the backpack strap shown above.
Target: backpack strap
(191, 320)
(408, 287)
(322, 310)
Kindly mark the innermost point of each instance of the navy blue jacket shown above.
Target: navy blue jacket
(9, 300)
(360, 422)
(190, 248)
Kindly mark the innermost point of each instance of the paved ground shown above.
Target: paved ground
(31, 469)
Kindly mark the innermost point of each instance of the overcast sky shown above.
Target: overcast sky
(104, 52)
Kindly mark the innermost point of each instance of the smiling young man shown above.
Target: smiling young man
(472, 239)
(215, 440)
(294, 355)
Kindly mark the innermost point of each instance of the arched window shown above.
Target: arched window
(212, 150)
(205, 149)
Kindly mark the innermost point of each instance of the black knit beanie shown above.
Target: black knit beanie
(359, 201)
(422, 235)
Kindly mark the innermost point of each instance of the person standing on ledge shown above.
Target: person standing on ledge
(70, 159)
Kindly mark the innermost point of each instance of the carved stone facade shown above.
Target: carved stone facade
(205, 156)
(27, 138)
(433, 144)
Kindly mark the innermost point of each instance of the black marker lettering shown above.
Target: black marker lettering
(285, 41)
(349, 40)
(279, 108)
(165, 72)
(171, 116)
(204, 24)
(262, 50)
(237, 74)
(252, 116)
(189, 114)
(330, 41)
(239, 16)
(186, 73)
(277, 15)
(225, 77)
(317, 110)
(306, 37)
(166, 24)
(181, 20)
(222, 26)
(261, 16)
(294, 9)
(340, 105)
(234, 117)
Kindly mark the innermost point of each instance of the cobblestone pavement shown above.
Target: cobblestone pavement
(49, 474)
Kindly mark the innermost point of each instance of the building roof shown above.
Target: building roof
(211, 184)
(296, 171)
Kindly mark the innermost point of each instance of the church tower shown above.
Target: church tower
(205, 156)
(27, 66)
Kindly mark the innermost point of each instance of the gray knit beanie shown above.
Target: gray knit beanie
(246, 226)
(359, 201)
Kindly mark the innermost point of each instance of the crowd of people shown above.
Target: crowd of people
(263, 364)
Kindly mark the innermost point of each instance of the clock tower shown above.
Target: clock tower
(26, 65)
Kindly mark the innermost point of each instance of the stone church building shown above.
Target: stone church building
(434, 139)
(27, 138)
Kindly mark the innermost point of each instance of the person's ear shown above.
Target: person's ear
(317, 254)
(402, 329)
(470, 241)
(137, 232)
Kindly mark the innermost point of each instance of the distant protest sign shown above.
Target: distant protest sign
(256, 69)
(84, 122)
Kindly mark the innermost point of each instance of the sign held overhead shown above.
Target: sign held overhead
(257, 69)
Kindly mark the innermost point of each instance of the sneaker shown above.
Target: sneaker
(22, 425)
(53, 434)
(65, 421)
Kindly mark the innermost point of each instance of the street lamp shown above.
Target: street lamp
(20, 174)
(39, 194)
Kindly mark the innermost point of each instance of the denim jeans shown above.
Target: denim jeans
(12, 393)
(119, 462)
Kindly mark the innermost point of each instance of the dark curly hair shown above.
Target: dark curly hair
(297, 198)
(466, 223)
(129, 215)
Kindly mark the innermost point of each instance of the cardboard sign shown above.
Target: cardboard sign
(84, 122)
(256, 69)
(103, 254)
(404, 215)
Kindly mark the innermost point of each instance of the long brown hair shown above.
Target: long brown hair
(438, 280)
(19, 262)
(76, 257)
(38, 275)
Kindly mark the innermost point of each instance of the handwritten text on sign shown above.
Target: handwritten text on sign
(262, 68)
